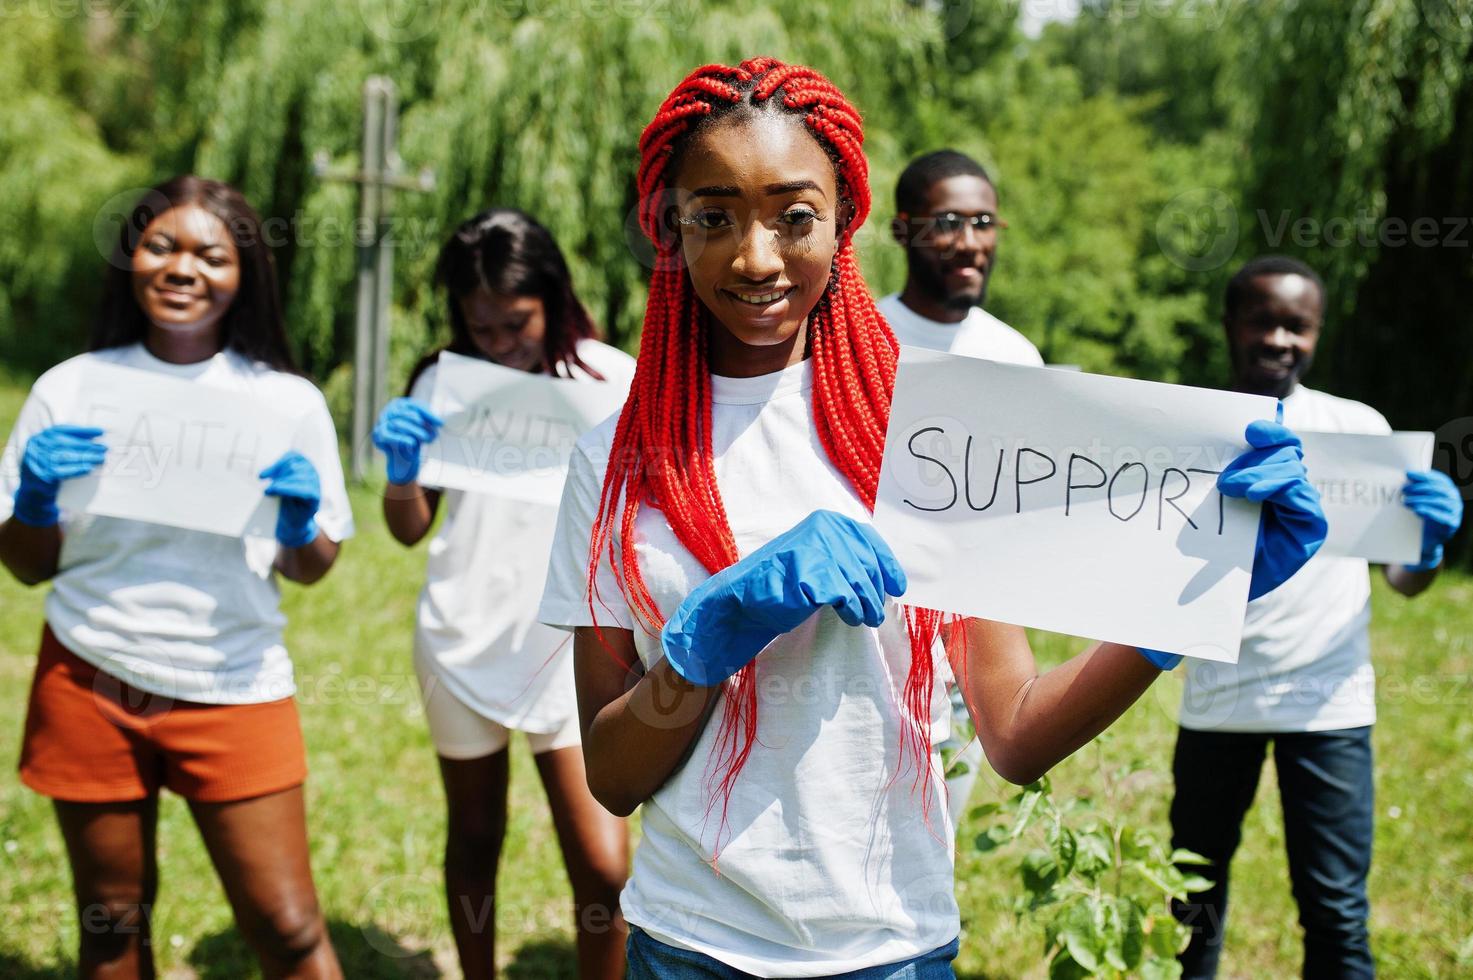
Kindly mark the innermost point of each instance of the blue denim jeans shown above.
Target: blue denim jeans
(650, 959)
(1326, 790)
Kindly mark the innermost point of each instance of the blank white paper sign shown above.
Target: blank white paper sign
(1070, 502)
(1359, 478)
(507, 432)
(179, 453)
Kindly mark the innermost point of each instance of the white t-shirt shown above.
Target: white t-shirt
(980, 335)
(1305, 662)
(827, 864)
(184, 614)
(477, 632)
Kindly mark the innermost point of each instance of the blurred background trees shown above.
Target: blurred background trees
(1141, 149)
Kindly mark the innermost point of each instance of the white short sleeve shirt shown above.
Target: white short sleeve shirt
(476, 627)
(184, 614)
(828, 864)
(980, 335)
(1305, 661)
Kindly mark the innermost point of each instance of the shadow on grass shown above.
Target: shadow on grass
(14, 967)
(544, 959)
(365, 951)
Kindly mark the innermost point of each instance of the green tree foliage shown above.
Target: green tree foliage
(1364, 172)
(1135, 151)
(56, 171)
(539, 105)
(1169, 59)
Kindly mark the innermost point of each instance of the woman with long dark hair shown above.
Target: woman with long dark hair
(162, 662)
(486, 666)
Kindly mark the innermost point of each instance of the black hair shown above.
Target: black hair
(508, 251)
(253, 324)
(924, 171)
(1265, 265)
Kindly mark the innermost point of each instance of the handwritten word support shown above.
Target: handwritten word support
(508, 432)
(1359, 478)
(179, 453)
(1070, 502)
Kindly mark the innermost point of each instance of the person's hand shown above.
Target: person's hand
(402, 429)
(61, 452)
(825, 560)
(1293, 524)
(1432, 496)
(294, 479)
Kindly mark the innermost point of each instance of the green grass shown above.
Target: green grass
(377, 819)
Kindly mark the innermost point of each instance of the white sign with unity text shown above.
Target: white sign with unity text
(508, 432)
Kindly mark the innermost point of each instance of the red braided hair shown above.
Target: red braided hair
(662, 452)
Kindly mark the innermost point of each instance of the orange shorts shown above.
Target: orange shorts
(90, 738)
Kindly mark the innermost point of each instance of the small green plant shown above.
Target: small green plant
(1099, 887)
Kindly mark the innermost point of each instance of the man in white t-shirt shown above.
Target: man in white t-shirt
(1303, 681)
(946, 220)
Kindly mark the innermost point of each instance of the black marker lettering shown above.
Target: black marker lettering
(1070, 486)
(996, 477)
(1019, 482)
(911, 445)
(1110, 493)
(1195, 469)
(1162, 500)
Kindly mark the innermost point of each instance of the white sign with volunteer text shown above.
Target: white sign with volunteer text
(1070, 502)
(1360, 478)
(508, 432)
(179, 453)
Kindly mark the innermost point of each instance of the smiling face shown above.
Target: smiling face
(757, 204)
(1273, 332)
(950, 266)
(506, 329)
(186, 272)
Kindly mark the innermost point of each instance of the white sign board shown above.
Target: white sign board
(179, 453)
(1070, 502)
(507, 432)
(1359, 478)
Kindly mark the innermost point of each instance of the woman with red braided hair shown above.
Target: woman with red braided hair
(744, 670)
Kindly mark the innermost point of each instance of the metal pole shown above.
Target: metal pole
(383, 304)
(368, 293)
(377, 177)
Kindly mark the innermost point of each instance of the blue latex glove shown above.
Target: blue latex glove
(403, 427)
(826, 559)
(1159, 660)
(1293, 525)
(1434, 497)
(294, 479)
(62, 452)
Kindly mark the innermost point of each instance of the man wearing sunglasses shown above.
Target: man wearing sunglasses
(946, 220)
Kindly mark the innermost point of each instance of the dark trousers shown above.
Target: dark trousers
(1326, 790)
